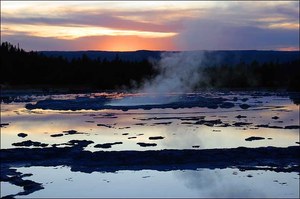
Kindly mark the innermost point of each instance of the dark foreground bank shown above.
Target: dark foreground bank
(264, 158)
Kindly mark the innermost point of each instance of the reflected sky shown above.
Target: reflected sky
(62, 182)
(138, 125)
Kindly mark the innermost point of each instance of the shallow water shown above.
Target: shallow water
(133, 126)
(178, 130)
(62, 182)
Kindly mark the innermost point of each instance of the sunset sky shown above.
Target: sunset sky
(151, 25)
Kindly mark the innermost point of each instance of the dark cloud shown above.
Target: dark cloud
(216, 35)
(118, 20)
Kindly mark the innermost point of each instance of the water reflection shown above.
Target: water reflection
(108, 126)
(232, 183)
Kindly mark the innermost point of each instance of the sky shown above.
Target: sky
(151, 25)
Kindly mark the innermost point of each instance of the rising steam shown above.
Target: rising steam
(178, 73)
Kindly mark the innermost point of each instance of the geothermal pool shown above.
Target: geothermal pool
(142, 122)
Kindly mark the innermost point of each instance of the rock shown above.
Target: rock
(22, 135)
(292, 127)
(29, 143)
(142, 144)
(125, 133)
(196, 146)
(57, 135)
(131, 138)
(267, 126)
(244, 106)
(162, 123)
(4, 124)
(156, 138)
(105, 125)
(209, 122)
(275, 117)
(140, 124)
(240, 116)
(227, 105)
(126, 127)
(239, 124)
(107, 145)
(71, 132)
(254, 138)
(80, 143)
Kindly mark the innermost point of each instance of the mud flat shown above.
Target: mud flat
(101, 103)
(273, 158)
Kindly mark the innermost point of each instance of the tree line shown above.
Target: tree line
(33, 69)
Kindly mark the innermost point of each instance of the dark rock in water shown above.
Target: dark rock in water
(140, 124)
(275, 117)
(71, 132)
(29, 143)
(254, 138)
(80, 143)
(216, 130)
(239, 124)
(263, 125)
(275, 127)
(245, 106)
(107, 145)
(57, 135)
(125, 133)
(227, 105)
(196, 146)
(224, 125)
(270, 138)
(249, 176)
(292, 127)
(156, 138)
(142, 144)
(187, 123)
(126, 127)
(162, 123)
(209, 122)
(267, 126)
(297, 142)
(105, 125)
(4, 124)
(22, 135)
(131, 137)
(241, 116)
